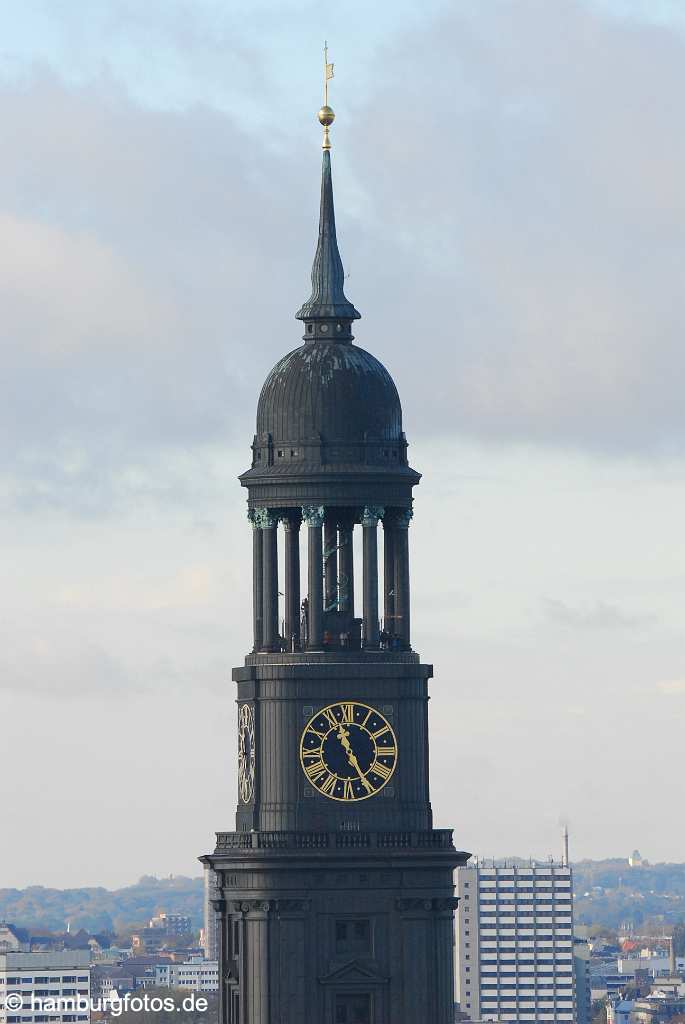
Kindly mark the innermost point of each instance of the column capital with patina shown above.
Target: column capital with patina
(401, 518)
(313, 515)
(263, 518)
(371, 515)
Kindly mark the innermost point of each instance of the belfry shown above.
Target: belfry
(334, 894)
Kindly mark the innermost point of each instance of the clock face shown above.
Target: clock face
(348, 751)
(246, 753)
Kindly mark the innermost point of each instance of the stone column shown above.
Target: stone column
(269, 529)
(313, 515)
(291, 526)
(370, 517)
(258, 1010)
(444, 960)
(346, 567)
(219, 908)
(389, 620)
(402, 597)
(257, 582)
(330, 561)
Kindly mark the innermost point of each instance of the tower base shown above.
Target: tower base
(336, 928)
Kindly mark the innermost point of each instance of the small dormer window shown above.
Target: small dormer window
(280, 453)
(310, 328)
(294, 453)
(338, 328)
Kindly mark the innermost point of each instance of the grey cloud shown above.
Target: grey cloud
(86, 671)
(134, 287)
(600, 615)
(514, 226)
(535, 203)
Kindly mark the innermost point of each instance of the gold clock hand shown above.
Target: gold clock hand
(343, 736)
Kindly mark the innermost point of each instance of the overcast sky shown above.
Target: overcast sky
(509, 189)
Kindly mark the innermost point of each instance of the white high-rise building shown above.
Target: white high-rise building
(515, 943)
(53, 986)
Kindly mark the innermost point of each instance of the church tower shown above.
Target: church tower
(334, 894)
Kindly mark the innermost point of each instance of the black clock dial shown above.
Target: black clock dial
(348, 751)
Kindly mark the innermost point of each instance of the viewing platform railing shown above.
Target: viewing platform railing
(434, 839)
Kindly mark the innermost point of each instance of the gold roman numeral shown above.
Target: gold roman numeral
(347, 714)
(330, 717)
(381, 732)
(390, 751)
(315, 771)
(381, 770)
(328, 786)
(348, 792)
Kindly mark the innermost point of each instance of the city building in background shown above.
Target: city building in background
(110, 979)
(110, 955)
(41, 980)
(515, 947)
(130, 974)
(647, 970)
(619, 1011)
(164, 931)
(581, 980)
(656, 1008)
(173, 924)
(196, 973)
(14, 939)
(148, 940)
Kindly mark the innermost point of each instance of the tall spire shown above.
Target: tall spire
(327, 301)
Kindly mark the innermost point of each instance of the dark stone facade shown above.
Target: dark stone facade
(334, 893)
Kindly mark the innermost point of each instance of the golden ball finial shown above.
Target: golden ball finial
(326, 116)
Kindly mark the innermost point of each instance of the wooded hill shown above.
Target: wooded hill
(608, 892)
(99, 909)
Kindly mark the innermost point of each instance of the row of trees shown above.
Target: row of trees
(102, 910)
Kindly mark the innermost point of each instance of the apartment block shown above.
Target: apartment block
(196, 974)
(37, 987)
(173, 924)
(514, 943)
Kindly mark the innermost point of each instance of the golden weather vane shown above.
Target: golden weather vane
(327, 73)
(326, 115)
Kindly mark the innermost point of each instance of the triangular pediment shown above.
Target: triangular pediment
(353, 973)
